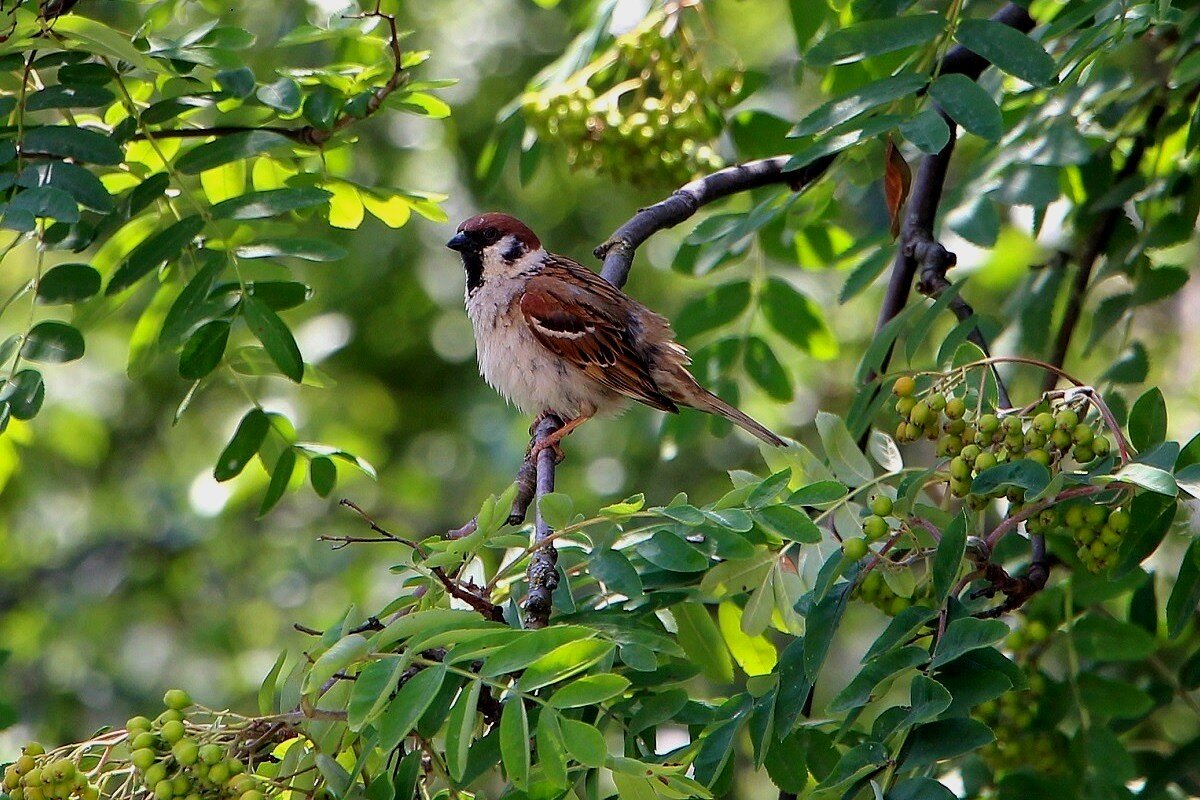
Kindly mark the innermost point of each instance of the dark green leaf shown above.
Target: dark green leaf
(949, 557)
(1148, 420)
(944, 739)
(225, 149)
(322, 472)
(874, 37)
(53, 342)
(861, 688)
(789, 522)
(1181, 607)
(188, 308)
(279, 295)
(787, 762)
(585, 744)
(966, 634)
(514, 741)
(1110, 698)
(270, 203)
(409, 704)
(920, 789)
(671, 552)
(613, 569)
(1024, 474)
(154, 252)
(322, 106)
(76, 96)
(969, 105)
(24, 393)
(1131, 366)
(1106, 639)
(798, 319)
(275, 336)
(713, 309)
(372, 687)
(846, 106)
(927, 130)
(1152, 515)
(245, 443)
(283, 95)
(818, 494)
(822, 623)
(203, 351)
(80, 183)
(766, 371)
(237, 82)
(902, 626)
(68, 283)
(47, 202)
(69, 141)
(1008, 49)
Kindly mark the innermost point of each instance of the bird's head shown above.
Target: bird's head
(492, 245)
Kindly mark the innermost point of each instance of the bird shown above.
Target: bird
(554, 337)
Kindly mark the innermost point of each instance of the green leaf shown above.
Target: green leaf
(372, 687)
(294, 247)
(68, 283)
(966, 634)
(764, 369)
(24, 394)
(408, 705)
(551, 750)
(713, 309)
(322, 106)
(52, 342)
(902, 626)
(1156, 480)
(1148, 420)
(322, 472)
(585, 744)
(225, 149)
(245, 443)
(460, 729)
(1023, 473)
(266, 692)
(1110, 698)
(531, 646)
(283, 95)
(563, 662)
(948, 558)
(874, 37)
(69, 141)
(78, 182)
(671, 552)
(944, 739)
(514, 741)
(275, 336)
(789, 522)
(589, 690)
(822, 623)
(701, 640)
(340, 655)
(1152, 515)
(818, 494)
(189, 307)
(927, 130)
(556, 509)
(154, 252)
(861, 688)
(613, 569)
(850, 104)
(1009, 49)
(270, 203)
(238, 82)
(1106, 639)
(754, 654)
(281, 475)
(798, 319)
(74, 96)
(848, 462)
(969, 105)
(203, 350)
(920, 789)
(1181, 606)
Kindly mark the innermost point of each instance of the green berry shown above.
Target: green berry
(180, 785)
(921, 413)
(955, 408)
(1039, 456)
(1118, 520)
(144, 739)
(1037, 631)
(875, 527)
(937, 401)
(854, 549)
(1083, 435)
(989, 423)
(36, 749)
(137, 724)
(211, 754)
(169, 715)
(172, 731)
(1044, 422)
(164, 790)
(1060, 439)
(24, 764)
(142, 758)
(898, 604)
(186, 751)
(959, 468)
(984, 460)
(904, 386)
(1101, 446)
(236, 767)
(1095, 515)
(177, 699)
(1066, 419)
(904, 406)
(155, 774)
(1083, 454)
(218, 773)
(881, 505)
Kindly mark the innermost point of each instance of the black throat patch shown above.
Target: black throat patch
(473, 264)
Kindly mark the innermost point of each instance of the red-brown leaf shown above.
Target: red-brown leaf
(897, 177)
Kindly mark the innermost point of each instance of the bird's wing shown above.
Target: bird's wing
(583, 319)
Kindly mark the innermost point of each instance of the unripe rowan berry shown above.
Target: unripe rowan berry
(854, 549)
(904, 386)
(177, 699)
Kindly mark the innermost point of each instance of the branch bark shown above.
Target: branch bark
(542, 573)
(1097, 242)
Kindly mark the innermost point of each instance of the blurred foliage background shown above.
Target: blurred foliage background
(125, 568)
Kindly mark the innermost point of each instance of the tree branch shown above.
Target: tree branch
(1096, 243)
(543, 570)
(618, 251)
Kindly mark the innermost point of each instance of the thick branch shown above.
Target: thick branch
(685, 201)
(1099, 236)
(543, 571)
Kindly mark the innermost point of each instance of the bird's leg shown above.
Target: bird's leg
(553, 439)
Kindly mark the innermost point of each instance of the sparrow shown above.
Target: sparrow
(554, 337)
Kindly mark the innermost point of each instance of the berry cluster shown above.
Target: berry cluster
(36, 776)
(1018, 745)
(874, 589)
(976, 441)
(172, 761)
(644, 111)
(1096, 529)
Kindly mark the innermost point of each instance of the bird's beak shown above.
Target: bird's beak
(459, 241)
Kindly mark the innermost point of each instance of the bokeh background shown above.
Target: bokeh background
(126, 569)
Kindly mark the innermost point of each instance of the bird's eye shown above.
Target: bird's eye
(490, 235)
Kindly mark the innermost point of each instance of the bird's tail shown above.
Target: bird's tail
(707, 401)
